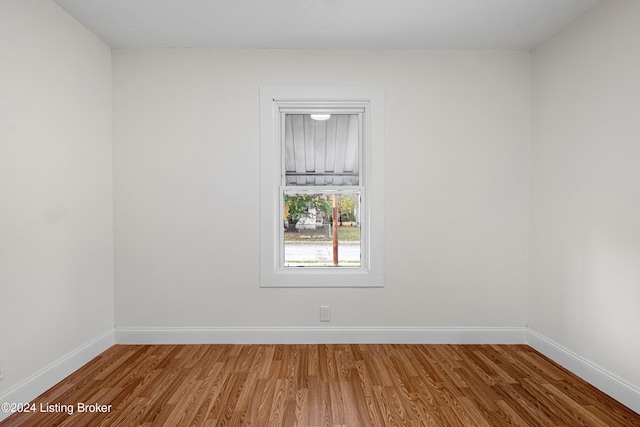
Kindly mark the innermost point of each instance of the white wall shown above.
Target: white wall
(56, 226)
(187, 186)
(585, 244)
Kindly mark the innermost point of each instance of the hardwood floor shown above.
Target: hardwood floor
(324, 385)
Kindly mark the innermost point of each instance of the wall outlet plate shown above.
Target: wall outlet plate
(325, 313)
(1, 368)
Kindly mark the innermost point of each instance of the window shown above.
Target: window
(321, 196)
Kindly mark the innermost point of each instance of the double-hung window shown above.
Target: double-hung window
(322, 183)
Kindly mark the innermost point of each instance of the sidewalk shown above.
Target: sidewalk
(320, 253)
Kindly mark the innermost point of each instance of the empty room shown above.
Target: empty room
(320, 212)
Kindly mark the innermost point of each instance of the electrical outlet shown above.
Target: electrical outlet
(325, 313)
(1, 368)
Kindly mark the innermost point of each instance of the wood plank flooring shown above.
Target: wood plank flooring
(325, 385)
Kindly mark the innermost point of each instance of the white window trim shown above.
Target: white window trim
(372, 272)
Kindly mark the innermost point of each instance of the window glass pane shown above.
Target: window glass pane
(309, 229)
(322, 149)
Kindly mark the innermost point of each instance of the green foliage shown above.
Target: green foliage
(298, 205)
(346, 206)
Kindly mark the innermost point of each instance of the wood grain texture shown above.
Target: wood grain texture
(327, 385)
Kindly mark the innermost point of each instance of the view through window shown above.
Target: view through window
(321, 191)
(312, 235)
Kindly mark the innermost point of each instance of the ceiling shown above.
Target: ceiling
(321, 152)
(341, 24)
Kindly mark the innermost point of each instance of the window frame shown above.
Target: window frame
(275, 101)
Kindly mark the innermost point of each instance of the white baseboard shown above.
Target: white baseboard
(316, 335)
(603, 380)
(50, 375)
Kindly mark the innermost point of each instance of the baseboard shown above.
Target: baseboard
(318, 335)
(50, 375)
(603, 380)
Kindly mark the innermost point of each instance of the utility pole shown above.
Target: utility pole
(335, 230)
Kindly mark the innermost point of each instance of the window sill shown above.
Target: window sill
(327, 278)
